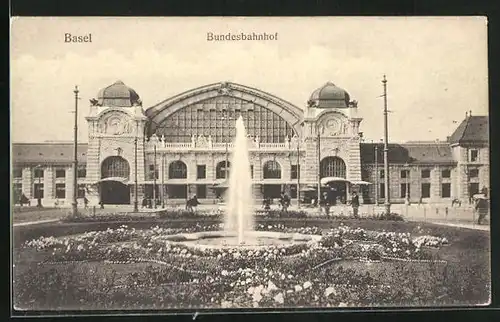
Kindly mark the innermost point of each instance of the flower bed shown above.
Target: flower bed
(218, 215)
(153, 272)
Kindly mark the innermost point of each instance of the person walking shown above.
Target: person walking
(86, 202)
(481, 208)
(355, 204)
(285, 202)
(325, 204)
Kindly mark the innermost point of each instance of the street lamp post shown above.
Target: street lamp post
(298, 173)
(39, 197)
(387, 202)
(75, 161)
(319, 166)
(136, 200)
(407, 184)
(226, 167)
(154, 178)
(376, 174)
(163, 180)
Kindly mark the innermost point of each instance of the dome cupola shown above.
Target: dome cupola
(329, 96)
(118, 95)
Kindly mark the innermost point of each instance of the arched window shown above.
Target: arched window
(220, 170)
(115, 167)
(333, 167)
(272, 170)
(177, 170)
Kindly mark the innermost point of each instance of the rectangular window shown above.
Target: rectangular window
(60, 173)
(201, 191)
(17, 190)
(382, 174)
(294, 171)
(38, 173)
(60, 190)
(38, 190)
(473, 173)
(251, 170)
(446, 173)
(81, 191)
(426, 174)
(473, 188)
(381, 191)
(445, 190)
(405, 174)
(405, 189)
(293, 191)
(201, 171)
(426, 190)
(17, 173)
(153, 173)
(474, 155)
(82, 173)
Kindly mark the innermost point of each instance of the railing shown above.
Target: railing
(203, 143)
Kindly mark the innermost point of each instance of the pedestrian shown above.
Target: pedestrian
(86, 202)
(481, 208)
(325, 204)
(144, 202)
(266, 203)
(355, 204)
(284, 201)
(101, 204)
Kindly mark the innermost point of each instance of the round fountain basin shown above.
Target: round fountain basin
(251, 239)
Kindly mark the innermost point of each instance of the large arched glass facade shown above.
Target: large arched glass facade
(272, 170)
(177, 170)
(115, 167)
(216, 117)
(332, 167)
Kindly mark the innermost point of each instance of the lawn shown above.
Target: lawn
(26, 214)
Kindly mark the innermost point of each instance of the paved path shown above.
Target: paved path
(468, 226)
(28, 223)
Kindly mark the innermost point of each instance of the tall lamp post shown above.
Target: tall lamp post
(319, 164)
(154, 178)
(75, 161)
(39, 195)
(136, 190)
(163, 180)
(376, 174)
(298, 173)
(226, 117)
(387, 202)
(407, 185)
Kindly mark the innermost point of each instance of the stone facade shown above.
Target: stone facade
(328, 127)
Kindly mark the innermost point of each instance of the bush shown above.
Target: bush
(391, 216)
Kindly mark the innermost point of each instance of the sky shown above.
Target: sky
(436, 68)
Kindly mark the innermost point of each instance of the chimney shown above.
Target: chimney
(470, 113)
(447, 139)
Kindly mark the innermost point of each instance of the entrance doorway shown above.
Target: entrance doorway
(337, 192)
(115, 193)
(272, 191)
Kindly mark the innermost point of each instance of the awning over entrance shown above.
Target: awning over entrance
(119, 179)
(328, 180)
(220, 185)
(361, 183)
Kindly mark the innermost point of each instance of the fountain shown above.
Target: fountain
(239, 211)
